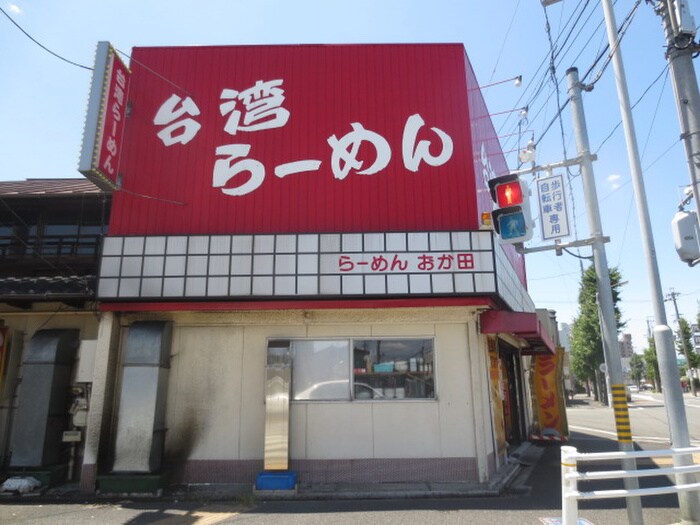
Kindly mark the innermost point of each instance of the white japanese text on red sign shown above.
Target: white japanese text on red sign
(260, 109)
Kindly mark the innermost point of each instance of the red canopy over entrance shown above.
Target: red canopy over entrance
(524, 325)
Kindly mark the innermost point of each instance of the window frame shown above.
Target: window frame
(352, 373)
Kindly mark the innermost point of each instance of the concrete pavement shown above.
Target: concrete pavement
(528, 490)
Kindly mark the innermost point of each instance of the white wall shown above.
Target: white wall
(215, 397)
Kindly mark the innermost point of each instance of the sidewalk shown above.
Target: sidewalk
(527, 455)
(527, 491)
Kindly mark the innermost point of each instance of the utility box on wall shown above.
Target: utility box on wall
(141, 421)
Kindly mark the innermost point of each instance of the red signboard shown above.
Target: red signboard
(299, 139)
(105, 120)
(256, 139)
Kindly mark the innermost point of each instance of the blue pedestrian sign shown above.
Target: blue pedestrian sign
(512, 225)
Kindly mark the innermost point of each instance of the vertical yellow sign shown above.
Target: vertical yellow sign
(549, 394)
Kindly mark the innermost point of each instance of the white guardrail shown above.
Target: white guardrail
(683, 469)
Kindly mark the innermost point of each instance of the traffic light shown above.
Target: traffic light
(512, 219)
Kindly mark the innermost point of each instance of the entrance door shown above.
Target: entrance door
(513, 396)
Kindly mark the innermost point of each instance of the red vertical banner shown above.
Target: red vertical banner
(113, 117)
(497, 383)
(105, 119)
(549, 395)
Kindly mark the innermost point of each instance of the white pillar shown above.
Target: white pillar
(569, 505)
(101, 396)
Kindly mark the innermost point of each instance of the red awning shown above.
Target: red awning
(524, 325)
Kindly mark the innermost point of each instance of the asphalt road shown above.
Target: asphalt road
(647, 416)
(533, 499)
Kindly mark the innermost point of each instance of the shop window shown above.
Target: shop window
(362, 369)
(321, 370)
(393, 369)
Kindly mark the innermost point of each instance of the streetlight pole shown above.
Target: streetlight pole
(663, 337)
(668, 367)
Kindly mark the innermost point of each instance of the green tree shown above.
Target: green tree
(586, 343)
(652, 362)
(684, 346)
(637, 368)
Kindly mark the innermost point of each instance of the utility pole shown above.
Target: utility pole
(679, 29)
(650, 327)
(606, 307)
(672, 297)
(689, 503)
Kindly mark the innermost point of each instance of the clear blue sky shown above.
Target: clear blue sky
(43, 99)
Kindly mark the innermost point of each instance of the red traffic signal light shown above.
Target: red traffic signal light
(512, 220)
(509, 194)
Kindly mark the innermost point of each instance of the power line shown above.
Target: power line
(505, 39)
(155, 73)
(656, 110)
(42, 46)
(657, 159)
(665, 68)
(535, 89)
(561, 55)
(620, 34)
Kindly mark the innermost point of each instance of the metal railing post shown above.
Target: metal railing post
(569, 485)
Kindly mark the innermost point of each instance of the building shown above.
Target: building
(297, 276)
(626, 353)
(50, 235)
(626, 347)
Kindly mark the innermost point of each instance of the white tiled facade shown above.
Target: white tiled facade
(510, 289)
(299, 265)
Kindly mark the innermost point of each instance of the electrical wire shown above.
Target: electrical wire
(155, 73)
(557, 116)
(657, 159)
(656, 111)
(624, 232)
(534, 90)
(144, 196)
(553, 74)
(553, 78)
(505, 39)
(42, 46)
(561, 55)
(562, 49)
(624, 26)
(586, 257)
(58, 310)
(644, 93)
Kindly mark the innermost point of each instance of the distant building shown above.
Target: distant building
(626, 352)
(695, 330)
(565, 335)
(626, 348)
(564, 338)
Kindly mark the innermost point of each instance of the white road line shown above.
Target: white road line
(650, 439)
